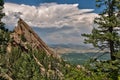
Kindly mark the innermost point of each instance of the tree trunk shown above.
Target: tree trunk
(112, 50)
(111, 42)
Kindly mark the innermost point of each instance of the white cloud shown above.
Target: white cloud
(48, 14)
(53, 15)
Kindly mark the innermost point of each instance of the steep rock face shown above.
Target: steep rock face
(25, 49)
(23, 35)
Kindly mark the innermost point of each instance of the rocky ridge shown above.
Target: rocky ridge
(27, 48)
(23, 36)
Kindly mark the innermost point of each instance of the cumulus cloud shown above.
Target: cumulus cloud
(48, 14)
(65, 21)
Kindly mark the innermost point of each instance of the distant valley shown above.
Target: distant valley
(72, 48)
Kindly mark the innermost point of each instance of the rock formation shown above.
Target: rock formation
(26, 48)
(23, 35)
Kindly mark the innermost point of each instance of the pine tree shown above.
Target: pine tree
(106, 33)
(1, 15)
(4, 38)
(4, 33)
(1, 23)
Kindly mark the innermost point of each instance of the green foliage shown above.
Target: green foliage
(23, 38)
(81, 74)
(110, 69)
(2, 15)
(20, 65)
(25, 68)
(4, 34)
(106, 32)
(105, 35)
(4, 38)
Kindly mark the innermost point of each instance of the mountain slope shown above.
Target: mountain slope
(24, 56)
(24, 35)
(27, 57)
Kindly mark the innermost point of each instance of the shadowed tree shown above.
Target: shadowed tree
(106, 32)
(4, 33)
(1, 14)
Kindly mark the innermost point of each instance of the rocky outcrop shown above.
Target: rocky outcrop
(25, 40)
(25, 37)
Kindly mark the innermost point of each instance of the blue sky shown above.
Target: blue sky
(83, 4)
(55, 21)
